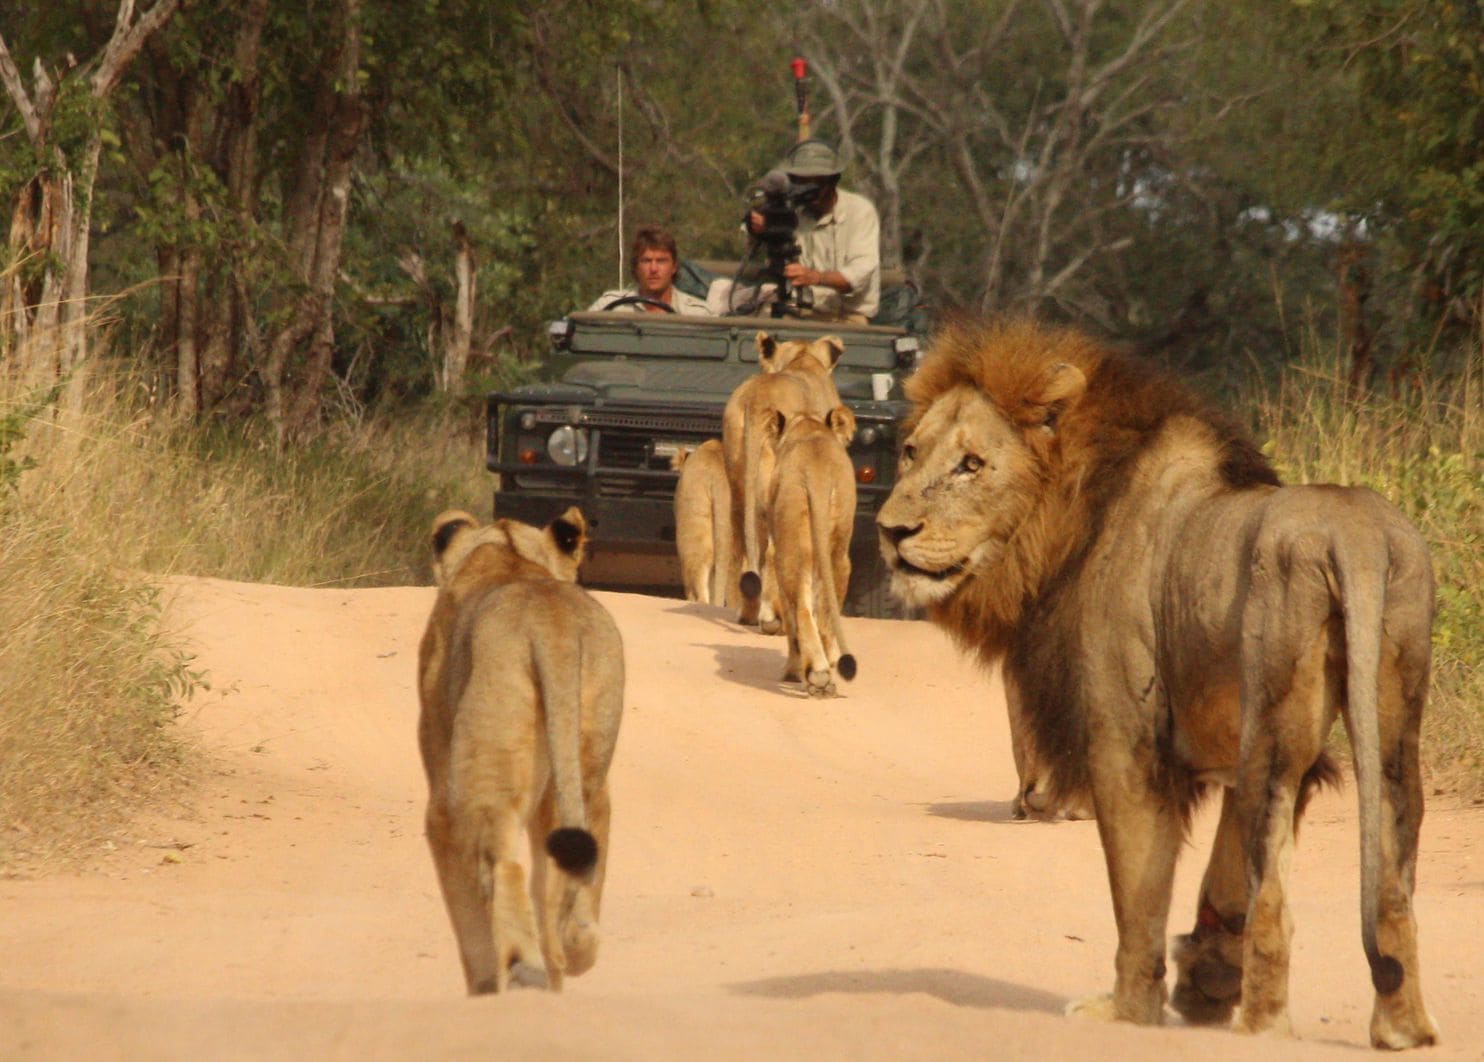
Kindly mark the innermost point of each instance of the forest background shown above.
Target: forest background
(268, 255)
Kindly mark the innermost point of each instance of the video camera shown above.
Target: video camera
(778, 199)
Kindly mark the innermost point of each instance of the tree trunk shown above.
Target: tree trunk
(460, 337)
(295, 372)
(53, 213)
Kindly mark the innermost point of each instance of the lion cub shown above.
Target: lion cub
(521, 678)
(794, 378)
(703, 524)
(811, 512)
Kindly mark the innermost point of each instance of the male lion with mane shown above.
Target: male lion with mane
(521, 677)
(1169, 618)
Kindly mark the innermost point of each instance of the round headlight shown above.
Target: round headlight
(567, 445)
(868, 436)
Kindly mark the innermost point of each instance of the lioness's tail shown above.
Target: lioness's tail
(559, 677)
(827, 599)
(753, 444)
(1362, 598)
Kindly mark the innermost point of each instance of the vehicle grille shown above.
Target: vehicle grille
(619, 451)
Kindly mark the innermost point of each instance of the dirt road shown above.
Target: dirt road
(789, 878)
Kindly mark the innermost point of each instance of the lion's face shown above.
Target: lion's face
(966, 479)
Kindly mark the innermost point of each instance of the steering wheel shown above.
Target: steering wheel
(639, 300)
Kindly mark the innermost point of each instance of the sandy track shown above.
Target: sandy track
(788, 877)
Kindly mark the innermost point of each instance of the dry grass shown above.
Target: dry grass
(93, 505)
(1423, 449)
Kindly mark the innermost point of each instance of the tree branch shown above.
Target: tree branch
(16, 89)
(126, 42)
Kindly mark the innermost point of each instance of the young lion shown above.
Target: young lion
(521, 678)
(811, 511)
(703, 524)
(795, 378)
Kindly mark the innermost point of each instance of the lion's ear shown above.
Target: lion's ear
(835, 346)
(841, 421)
(569, 532)
(767, 346)
(1059, 388)
(446, 526)
(775, 426)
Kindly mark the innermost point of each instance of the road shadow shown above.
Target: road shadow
(951, 986)
(759, 666)
(1001, 811)
(717, 615)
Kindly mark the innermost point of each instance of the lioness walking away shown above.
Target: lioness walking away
(703, 525)
(811, 512)
(521, 678)
(794, 378)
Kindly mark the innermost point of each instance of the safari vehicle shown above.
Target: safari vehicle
(633, 389)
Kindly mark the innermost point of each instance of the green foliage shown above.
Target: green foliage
(1419, 65)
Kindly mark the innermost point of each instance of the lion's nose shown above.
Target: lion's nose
(895, 534)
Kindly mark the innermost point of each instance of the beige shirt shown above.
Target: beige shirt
(848, 241)
(683, 302)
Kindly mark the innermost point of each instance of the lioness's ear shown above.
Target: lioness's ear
(1059, 389)
(569, 532)
(835, 346)
(841, 421)
(448, 524)
(776, 426)
(767, 346)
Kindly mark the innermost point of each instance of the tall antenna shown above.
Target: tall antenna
(618, 71)
(801, 95)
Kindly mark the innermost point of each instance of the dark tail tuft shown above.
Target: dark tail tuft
(751, 586)
(1387, 975)
(846, 667)
(574, 849)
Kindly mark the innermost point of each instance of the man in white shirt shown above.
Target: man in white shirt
(839, 237)
(656, 262)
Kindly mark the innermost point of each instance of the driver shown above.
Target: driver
(656, 261)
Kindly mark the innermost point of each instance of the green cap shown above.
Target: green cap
(811, 158)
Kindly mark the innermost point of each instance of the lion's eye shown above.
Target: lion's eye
(909, 452)
(970, 464)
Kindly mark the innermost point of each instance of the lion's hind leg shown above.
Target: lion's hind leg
(517, 940)
(1208, 960)
(464, 880)
(583, 897)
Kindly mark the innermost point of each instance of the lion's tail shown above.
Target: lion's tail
(1362, 599)
(573, 847)
(753, 446)
(827, 599)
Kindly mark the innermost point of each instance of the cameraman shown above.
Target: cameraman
(839, 237)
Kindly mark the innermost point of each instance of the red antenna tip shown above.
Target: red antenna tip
(801, 68)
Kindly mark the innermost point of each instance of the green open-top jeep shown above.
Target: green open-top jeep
(634, 388)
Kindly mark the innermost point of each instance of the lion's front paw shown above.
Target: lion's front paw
(1098, 1008)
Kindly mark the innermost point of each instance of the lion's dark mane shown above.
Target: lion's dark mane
(1024, 610)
